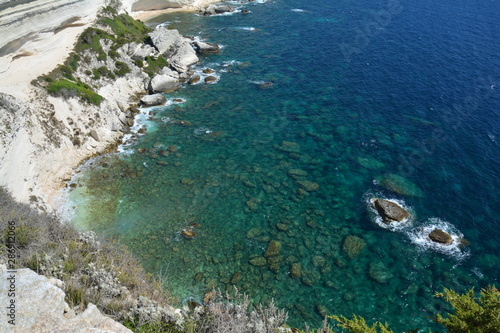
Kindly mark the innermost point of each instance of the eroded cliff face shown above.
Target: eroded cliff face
(22, 20)
(44, 137)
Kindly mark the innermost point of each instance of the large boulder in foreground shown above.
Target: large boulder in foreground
(440, 236)
(175, 48)
(390, 211)
(165, 81)
(152, 100)
(40, 307)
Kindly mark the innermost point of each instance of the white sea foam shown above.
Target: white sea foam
(420, 237)
(298, 10)
(202, 130)
(245, 28)
(199, 71)
(393, 226)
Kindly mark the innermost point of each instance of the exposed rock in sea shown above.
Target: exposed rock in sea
(42, 309)
(206, 47)
(353, 245)
(165, 81)
(194, 79)
(151, 100)
(264, 85)
(440, 236)
(214, 9)
(210, 79)
(390, 211)
(176, 48)
(400, 185)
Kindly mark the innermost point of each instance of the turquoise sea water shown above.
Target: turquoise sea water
(393, 99)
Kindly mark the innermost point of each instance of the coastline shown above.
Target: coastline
(35, 166)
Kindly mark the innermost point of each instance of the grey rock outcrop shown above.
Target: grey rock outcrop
(176, 48)
(137, 51)
(40, 307)
(165, 81)
(206, 47)
(214, 9)
(151, 100)
(390, 211)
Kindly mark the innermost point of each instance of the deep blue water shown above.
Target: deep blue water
(364, 94)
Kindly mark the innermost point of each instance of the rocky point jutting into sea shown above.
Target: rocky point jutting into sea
(43, 138)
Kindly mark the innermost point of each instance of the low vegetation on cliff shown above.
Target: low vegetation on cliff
(99, 56)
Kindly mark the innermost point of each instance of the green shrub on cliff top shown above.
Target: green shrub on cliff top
(65, 88)
(471, 314)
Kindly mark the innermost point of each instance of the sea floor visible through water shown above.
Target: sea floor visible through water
(273, 167)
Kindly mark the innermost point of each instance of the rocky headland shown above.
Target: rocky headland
(57, 111)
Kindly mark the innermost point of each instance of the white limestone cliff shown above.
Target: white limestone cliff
(39, 306)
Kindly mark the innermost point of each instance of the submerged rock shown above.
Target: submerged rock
(258, 261)
(297, 173)
(236, 278)
(295, 270)
(439, 236)
(400, 185)
(353, 245)
(273, 248)
(308, 185)
(379, 272)
(390, 211)
(289, 147)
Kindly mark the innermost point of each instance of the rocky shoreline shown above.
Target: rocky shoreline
(46, 137)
